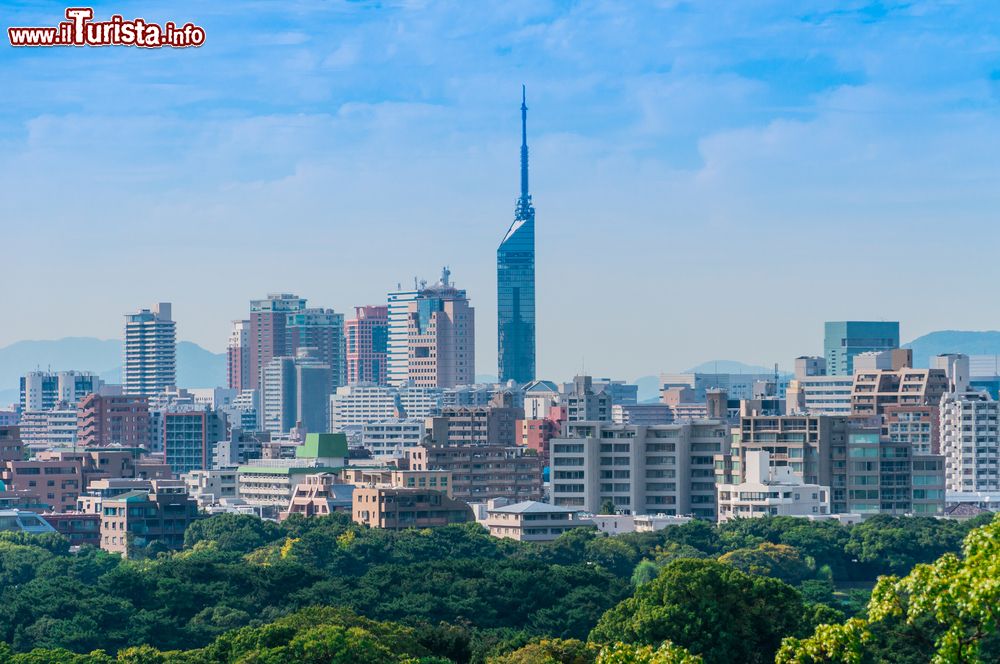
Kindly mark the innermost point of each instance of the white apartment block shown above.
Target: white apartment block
(150, 351)
(359, 404)
(392, 437)
(659, 469)
(819, 395)
(771, 491)
(970, 442)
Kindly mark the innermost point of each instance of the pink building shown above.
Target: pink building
(238, 355)
(366, 336)
(441, 337)
(536, 434)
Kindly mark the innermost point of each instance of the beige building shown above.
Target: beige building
(481, 472)
(319, 495)
(873, 390)
(441, 337)
(398, 508)
(532, 521)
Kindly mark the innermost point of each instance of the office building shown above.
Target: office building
(295, 390)
(150, 351)
(238, 356)
(661, 469)
(621, 393)
(441, 339)
(268, 333)
(43, 390)
(113, 420)
(770, 491)
(642, 413)
(367, 341)
(843, 340)
(212, 487)
(355, 405)
(516, 282)
(190, 437)
(957, 368)
(970, 442)
(321, 330)
(136, 519)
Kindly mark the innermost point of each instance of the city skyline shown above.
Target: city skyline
(675, 163)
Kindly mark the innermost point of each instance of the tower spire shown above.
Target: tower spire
(524, 144)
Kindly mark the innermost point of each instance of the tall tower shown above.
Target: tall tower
(516, 281)
(150, 351)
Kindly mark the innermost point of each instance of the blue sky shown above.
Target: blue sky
(711, 179)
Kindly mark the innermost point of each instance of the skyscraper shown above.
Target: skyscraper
(366, 336)
(268, 338)
(322, 330)
(843, 340)
(516, 281)
(150, 351)
(441, 337)
(238, 355)
(397, 346)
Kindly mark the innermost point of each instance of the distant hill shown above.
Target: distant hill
(649, 389)
(729, 366)
(953, 341)
(196, 366)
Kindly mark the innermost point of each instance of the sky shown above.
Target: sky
(712, 179)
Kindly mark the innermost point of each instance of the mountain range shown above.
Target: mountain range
(196, 366)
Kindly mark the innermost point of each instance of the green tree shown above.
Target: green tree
(710, 608)
(775, 560)
(667, 653)
(952, 605)
(550, 651)
(608, 507)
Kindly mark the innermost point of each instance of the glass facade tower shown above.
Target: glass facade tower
(516, 281)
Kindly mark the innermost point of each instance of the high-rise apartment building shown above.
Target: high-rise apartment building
(42, 390)
(662, 469)
(189, 438)
(585, 403)
(398, 334)
(970, 442)
(441, 337)
(366, 338)
(113, 420)
(323, 331)
(516, 281)
(843, 340)
(150, 351)
(238, 356)
(872, 391)
(268, 338)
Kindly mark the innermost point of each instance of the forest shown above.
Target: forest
(891, 589)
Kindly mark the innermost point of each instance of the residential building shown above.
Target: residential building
(539, 398)
(873, 390)
(356, 405)
(268, 331)
(113, 420)
(916, 426)
(56, 427)
(359, 476)
(238, 356)
(323, 331)
(190, 437)
(441, 338)
(819, 395)
(211, 487)
(583, 403)
(660, 469)
(970, 442)
(24, 522)
(516, 282)
(495, 424)
(535, 434)
(392, 437)
(532, 521)
(770, 491)
(844, 340)
(137, 519)
(43, 390)
(396, 508)
(295, 390)
(957, 368)
(367, 340)
(642, 413)
(271, 482)
(481, 472)
(320, 494)
(79, 528)
(150, 351)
